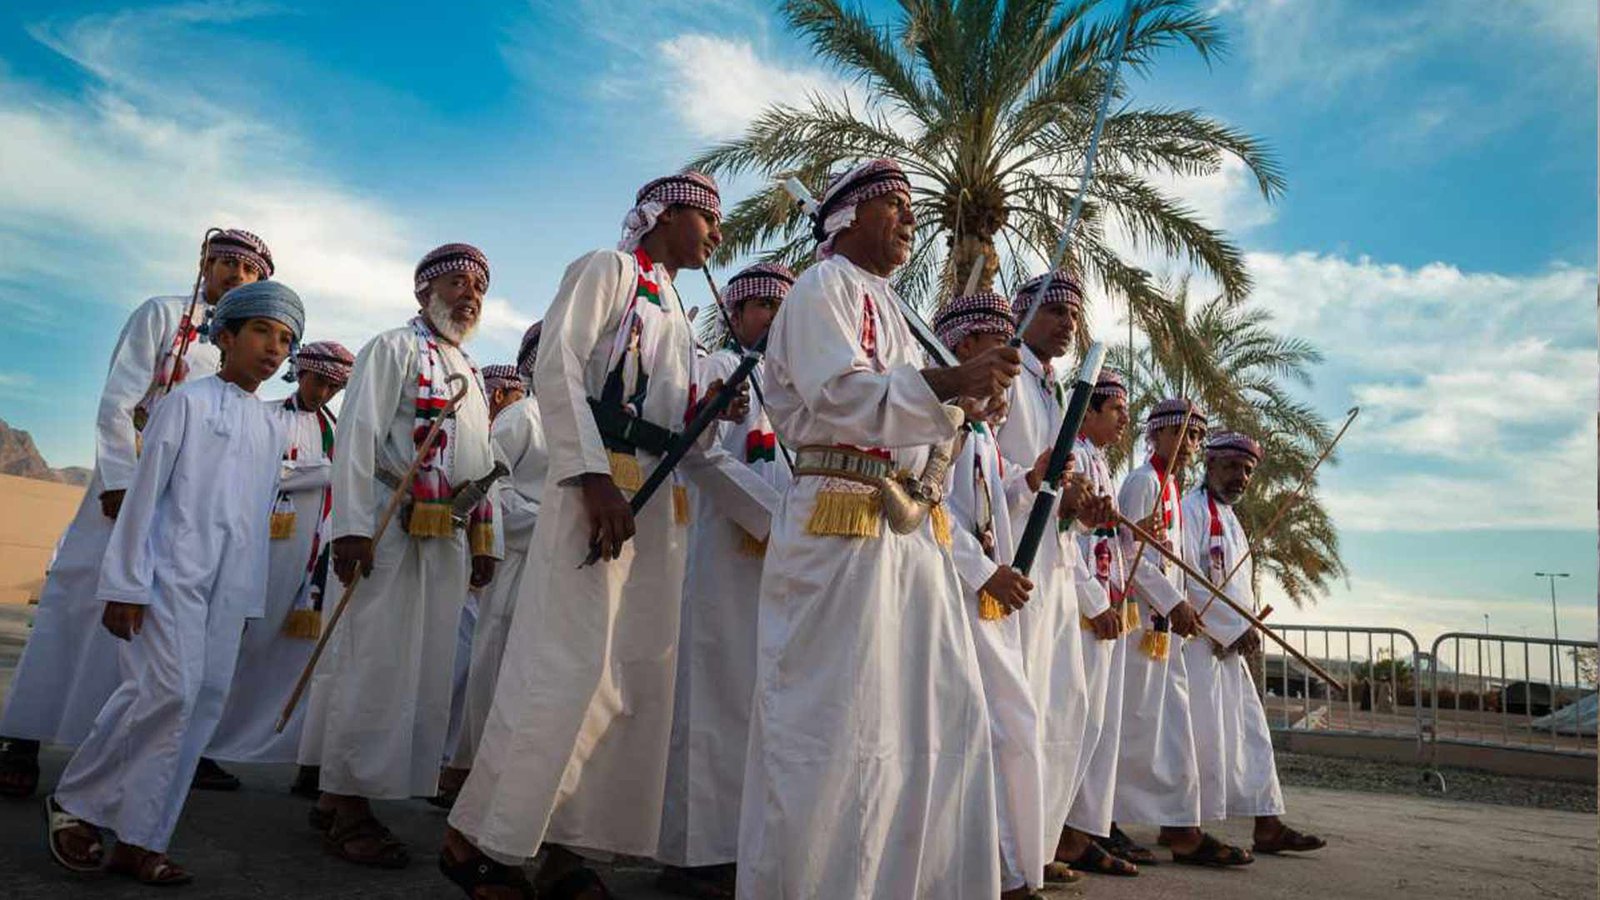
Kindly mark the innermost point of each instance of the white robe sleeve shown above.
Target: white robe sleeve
(737, 491)
(305, 474)
(514, 438)
(370, 401)
(133, 364)
(1136, 500)
(588, 299)
(838, 384)
(974, 568)
(127, 574)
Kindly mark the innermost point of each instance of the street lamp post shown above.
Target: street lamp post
(1552, 576)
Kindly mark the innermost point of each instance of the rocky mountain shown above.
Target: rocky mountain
(19, 456)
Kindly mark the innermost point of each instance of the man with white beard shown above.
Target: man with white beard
(717, 641)
(69, 668)
(869, 769)
(1238, 772)
(380, 710)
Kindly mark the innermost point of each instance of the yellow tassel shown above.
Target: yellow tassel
(1086, 623)
(940, 520)
(282, 525)
(303, 623)
(430, 520)
(481, 538)
(625, 471)
(989, 609)
(680, 504)
(1155, 644)
(1130, 615)
(749, 546)
(846, 514)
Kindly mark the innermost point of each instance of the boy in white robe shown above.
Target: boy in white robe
(983, 491)
(380, 705)
(717, 637)
(187, 564)
(1239, 772)
(574, 751)
(1066, 590)
(276, 646)
(69, 667)
(869, 771)
(1104, 643)
(1158, 778)
(517, 436)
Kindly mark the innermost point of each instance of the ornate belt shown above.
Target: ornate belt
(842, 462)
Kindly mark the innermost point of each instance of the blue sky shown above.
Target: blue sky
(1437, 240)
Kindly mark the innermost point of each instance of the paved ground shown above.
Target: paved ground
(256, 844)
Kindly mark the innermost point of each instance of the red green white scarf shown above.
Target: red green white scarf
(305, 619)
(431, 491)
(1218, 553)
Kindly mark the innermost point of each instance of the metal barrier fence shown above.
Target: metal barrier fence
(1377, 666)
(1503, 690)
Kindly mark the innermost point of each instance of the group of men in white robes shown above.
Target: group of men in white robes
(805, 668)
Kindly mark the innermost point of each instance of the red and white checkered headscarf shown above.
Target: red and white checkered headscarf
(1063, 290)
(848, 190)
(449, 258)
(687, 188)
(528, 353)
(984, 312)
(760, 280)
(1170, 413)
(1110, 384)
(500, 376)
(1232, 444)
(237, 243)
(330, 359)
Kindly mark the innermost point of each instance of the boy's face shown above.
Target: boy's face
(1051, 331)
(317, 390)
(752, 319)
(1178, 450)
(692, 235)
(1106, 425)
(255, 352)
(975, 344)
(224, 273)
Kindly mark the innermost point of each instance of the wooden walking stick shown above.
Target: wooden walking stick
(428, 440)
(1288, 503)
(1217, 594)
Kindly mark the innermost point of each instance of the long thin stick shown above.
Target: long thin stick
(428, 441)
(1288, 503)
(1216, 593)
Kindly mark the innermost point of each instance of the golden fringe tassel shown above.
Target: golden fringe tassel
(431, 520)
(625, 471)
(989, 609)
(303, 623)
(846, 514)
(1130, 614)
(680, 504)
(940, 519)
(480, 536)
(282, 526)
(1155, 644)
(749, 545)
(1085, 623)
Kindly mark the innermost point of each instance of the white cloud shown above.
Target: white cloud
(719, 85)
(116, 187)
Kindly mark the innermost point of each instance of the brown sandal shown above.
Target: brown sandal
(147, 867)
(389, 852)
(1287, 840)
(1214, 854)
(61, 823)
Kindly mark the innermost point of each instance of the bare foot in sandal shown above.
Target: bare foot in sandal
(146, 866)
(355, 834)
(478, 876)
(564, 876)
(74, 843)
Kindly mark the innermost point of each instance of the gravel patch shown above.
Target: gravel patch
(1381, 777)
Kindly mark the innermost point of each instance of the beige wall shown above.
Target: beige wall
(33, 515)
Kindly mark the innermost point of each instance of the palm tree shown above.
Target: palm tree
(989, 106)
(1226, 356)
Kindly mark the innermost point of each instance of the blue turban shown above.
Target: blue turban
(260, 300)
